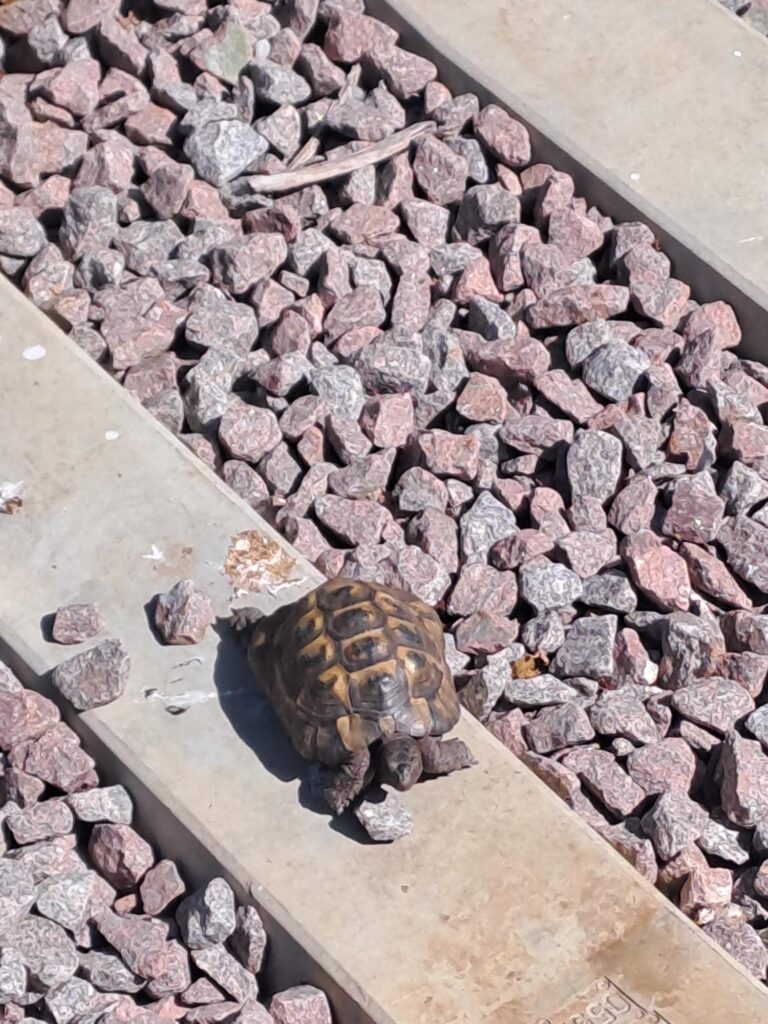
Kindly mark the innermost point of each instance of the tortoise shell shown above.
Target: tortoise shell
(352, 662)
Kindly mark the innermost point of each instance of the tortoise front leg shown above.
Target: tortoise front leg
(441, 757)
(242, 620)
(341, 785)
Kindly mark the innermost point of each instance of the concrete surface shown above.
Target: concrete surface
(502, 907)
(656, 107)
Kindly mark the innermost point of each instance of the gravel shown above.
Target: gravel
(94, 926)
(448, 373)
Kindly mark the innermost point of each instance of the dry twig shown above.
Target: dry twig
(286, 181)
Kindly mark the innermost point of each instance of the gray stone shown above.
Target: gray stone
(385, 820)
(610, 592)
(482, 525)
(547, 585)
(594, 465)
(673, 822)
(538, 691)
(588, 649)
(614, 370)
(207, 917)
(221, 150)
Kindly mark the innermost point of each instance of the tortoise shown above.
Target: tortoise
(357, 676)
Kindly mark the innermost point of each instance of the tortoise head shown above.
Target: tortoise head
(398, 762)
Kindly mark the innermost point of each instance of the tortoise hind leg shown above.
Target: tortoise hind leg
(441, 757)
(341, 785)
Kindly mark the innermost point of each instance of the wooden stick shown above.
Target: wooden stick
(285, 181)
(306, 154)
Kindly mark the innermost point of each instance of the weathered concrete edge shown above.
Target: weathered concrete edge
(159, 815)
(709, 276)
(294, 956)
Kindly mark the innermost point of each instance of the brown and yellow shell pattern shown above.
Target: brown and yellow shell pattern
(352, 662)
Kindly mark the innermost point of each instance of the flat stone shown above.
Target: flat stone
(365, 478)
(544, 633)
(485, 633)
(385, 820)
(587, 552)
(22, 788)
(388, 368)
(89, 221)
(120, 854)
(633, 507)
(388, 419)
(627, 839)
(278, 84)
(217, 320)
(48, 858)
(588, 649)
(537, 434)
(94, 677)
(692, 437)
(569, 395)
(133, 937)
(704, 890)
(238, 265)
(225, 53)
(745, 632)
(361, 307)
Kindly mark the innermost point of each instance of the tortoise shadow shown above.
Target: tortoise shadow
(251, 716)
(255, 723)
(248, 710)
